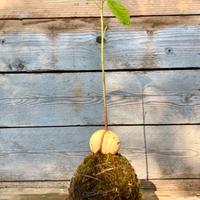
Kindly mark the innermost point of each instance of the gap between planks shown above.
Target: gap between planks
(95, 71)
(85, 8)
(100, 125)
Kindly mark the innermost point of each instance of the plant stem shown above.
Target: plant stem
(103, 66)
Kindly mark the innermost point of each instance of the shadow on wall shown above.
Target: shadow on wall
(170, 104)
(173, 150)
(171, 108)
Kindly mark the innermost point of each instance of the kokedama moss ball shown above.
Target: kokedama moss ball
(105, 177)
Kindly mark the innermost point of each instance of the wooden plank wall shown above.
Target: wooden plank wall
(50, 87)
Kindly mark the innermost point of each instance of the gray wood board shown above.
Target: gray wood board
(84, 8)
(35, 45)
(68, 99)
(171, 97)
(173, 151)
(76, 98)
(54, 153)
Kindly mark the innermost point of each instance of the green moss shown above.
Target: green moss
(105, 177)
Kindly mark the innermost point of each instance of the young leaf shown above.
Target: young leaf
(119, 11)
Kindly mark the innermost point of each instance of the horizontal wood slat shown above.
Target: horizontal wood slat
(76, 98)
(183, 185)
(68, 99)
(171, 97)
(54, 153)
(42, 45)
(173, 151)
(152, 190)
(84, 8)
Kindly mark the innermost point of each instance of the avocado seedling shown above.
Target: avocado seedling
(105, 174)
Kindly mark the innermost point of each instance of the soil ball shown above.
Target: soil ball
(105, 177)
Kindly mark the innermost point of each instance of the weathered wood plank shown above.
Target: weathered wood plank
(173, 151)
(76, 98)
(68, 99)
(162, 42)
(185, 185)
(153, 190)
(171, 97)
(40, 184)
(54, 153)
(171, 189)
(58, 8)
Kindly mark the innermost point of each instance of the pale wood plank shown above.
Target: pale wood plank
(162, 42)
(33, 194)
(34, 184)
(72, 8)
(173, 151)
(153, 190)
(54, 153)
(164, 185)
(171, 189)
(76, 98)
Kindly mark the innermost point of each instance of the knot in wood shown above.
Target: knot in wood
(98, 39)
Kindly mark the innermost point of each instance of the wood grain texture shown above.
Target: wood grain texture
(171, 97)
(68, 99)
(54, 153)
(185, 185)
(173, 151)
(76, 99)
(57, 8)
(42, 45)
(152, 190)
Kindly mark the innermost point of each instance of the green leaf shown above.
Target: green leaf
(119, 11)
